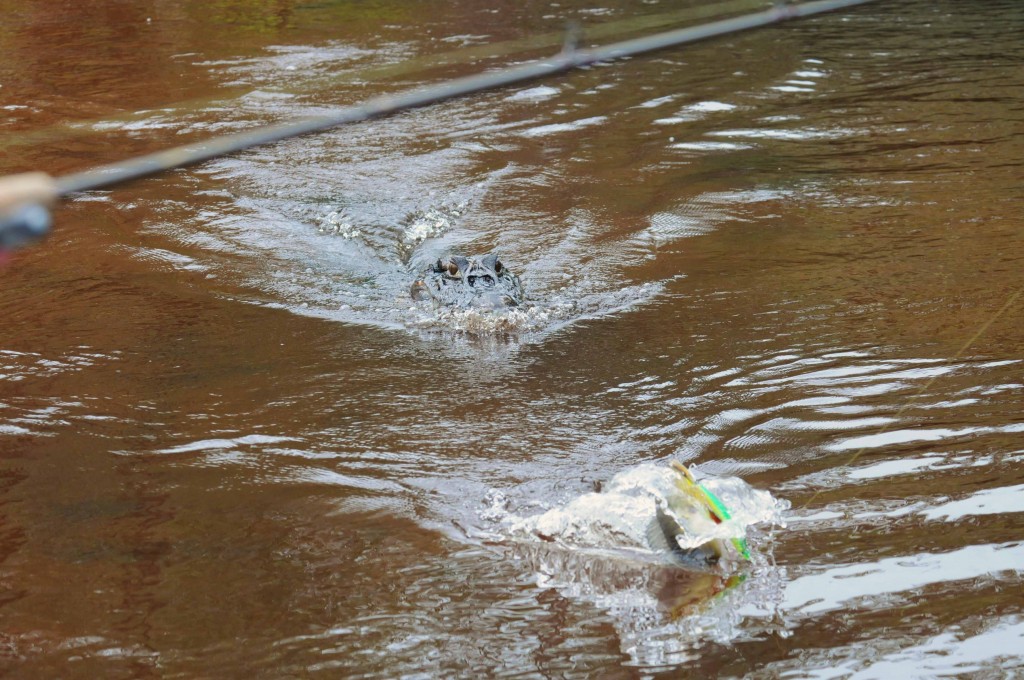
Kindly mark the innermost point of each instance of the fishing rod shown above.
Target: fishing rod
(25, 199)
(409, 70)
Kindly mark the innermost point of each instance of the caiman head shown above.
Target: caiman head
(457, 281)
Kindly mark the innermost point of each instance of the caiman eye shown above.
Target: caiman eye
(453, 269)
(498, 266)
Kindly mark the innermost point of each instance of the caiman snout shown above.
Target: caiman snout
(481, 280)
(470, 282)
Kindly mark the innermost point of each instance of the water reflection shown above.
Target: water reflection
(839, 586)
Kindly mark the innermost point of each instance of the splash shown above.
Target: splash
(595, 548)
(432, 222)
(619, 516)
(337, 223)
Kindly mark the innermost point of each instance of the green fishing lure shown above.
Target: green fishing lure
(716, 509)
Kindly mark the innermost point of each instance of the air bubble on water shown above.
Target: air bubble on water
(430, 223)
(337, 223)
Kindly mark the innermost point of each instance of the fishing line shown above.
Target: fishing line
(913, 399)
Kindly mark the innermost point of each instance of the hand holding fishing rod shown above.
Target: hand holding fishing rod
(24, 208)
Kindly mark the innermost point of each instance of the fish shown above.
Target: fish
(693, 506)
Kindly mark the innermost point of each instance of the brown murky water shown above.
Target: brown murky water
(230, 448)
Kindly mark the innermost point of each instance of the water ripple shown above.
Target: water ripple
(851, 585)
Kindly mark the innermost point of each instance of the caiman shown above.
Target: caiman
(469, 282)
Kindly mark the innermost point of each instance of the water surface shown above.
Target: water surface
(230, 445)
